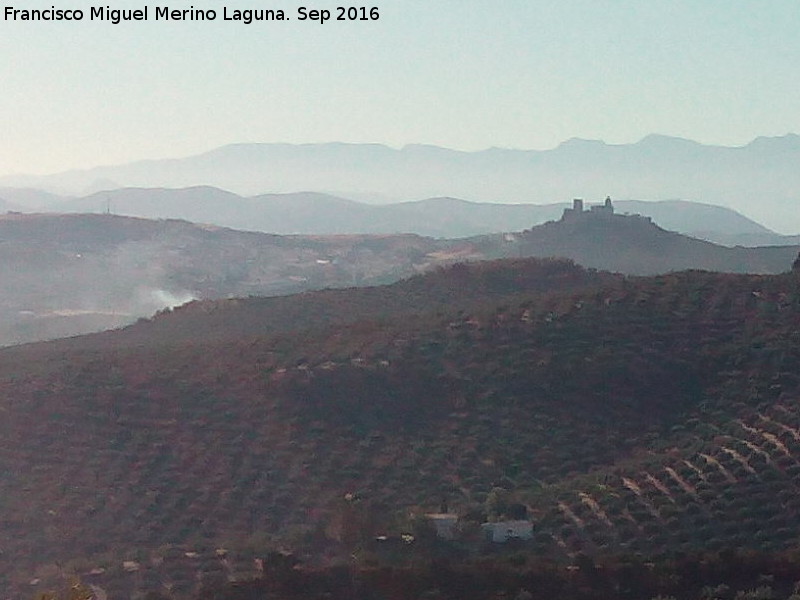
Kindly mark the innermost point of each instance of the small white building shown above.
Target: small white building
(502, 531)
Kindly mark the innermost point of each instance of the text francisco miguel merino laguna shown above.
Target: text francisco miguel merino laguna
(165, 13)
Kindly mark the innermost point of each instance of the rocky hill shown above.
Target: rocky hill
(632, 244)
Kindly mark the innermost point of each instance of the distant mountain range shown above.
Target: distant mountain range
(760, 180)
(322, 214)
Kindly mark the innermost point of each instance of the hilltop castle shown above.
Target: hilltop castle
(598, 211)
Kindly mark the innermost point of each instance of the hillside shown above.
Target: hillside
(632, 244)
(459, 287)
(71, 274)
(643, 415)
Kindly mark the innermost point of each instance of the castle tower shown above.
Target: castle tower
(604, 210)
(574, 212)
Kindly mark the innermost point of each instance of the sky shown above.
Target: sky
(463, 74)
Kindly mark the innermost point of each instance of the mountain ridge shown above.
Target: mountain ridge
(758, 179)
(446, 217)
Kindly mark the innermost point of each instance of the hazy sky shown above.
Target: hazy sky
(465, 74)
